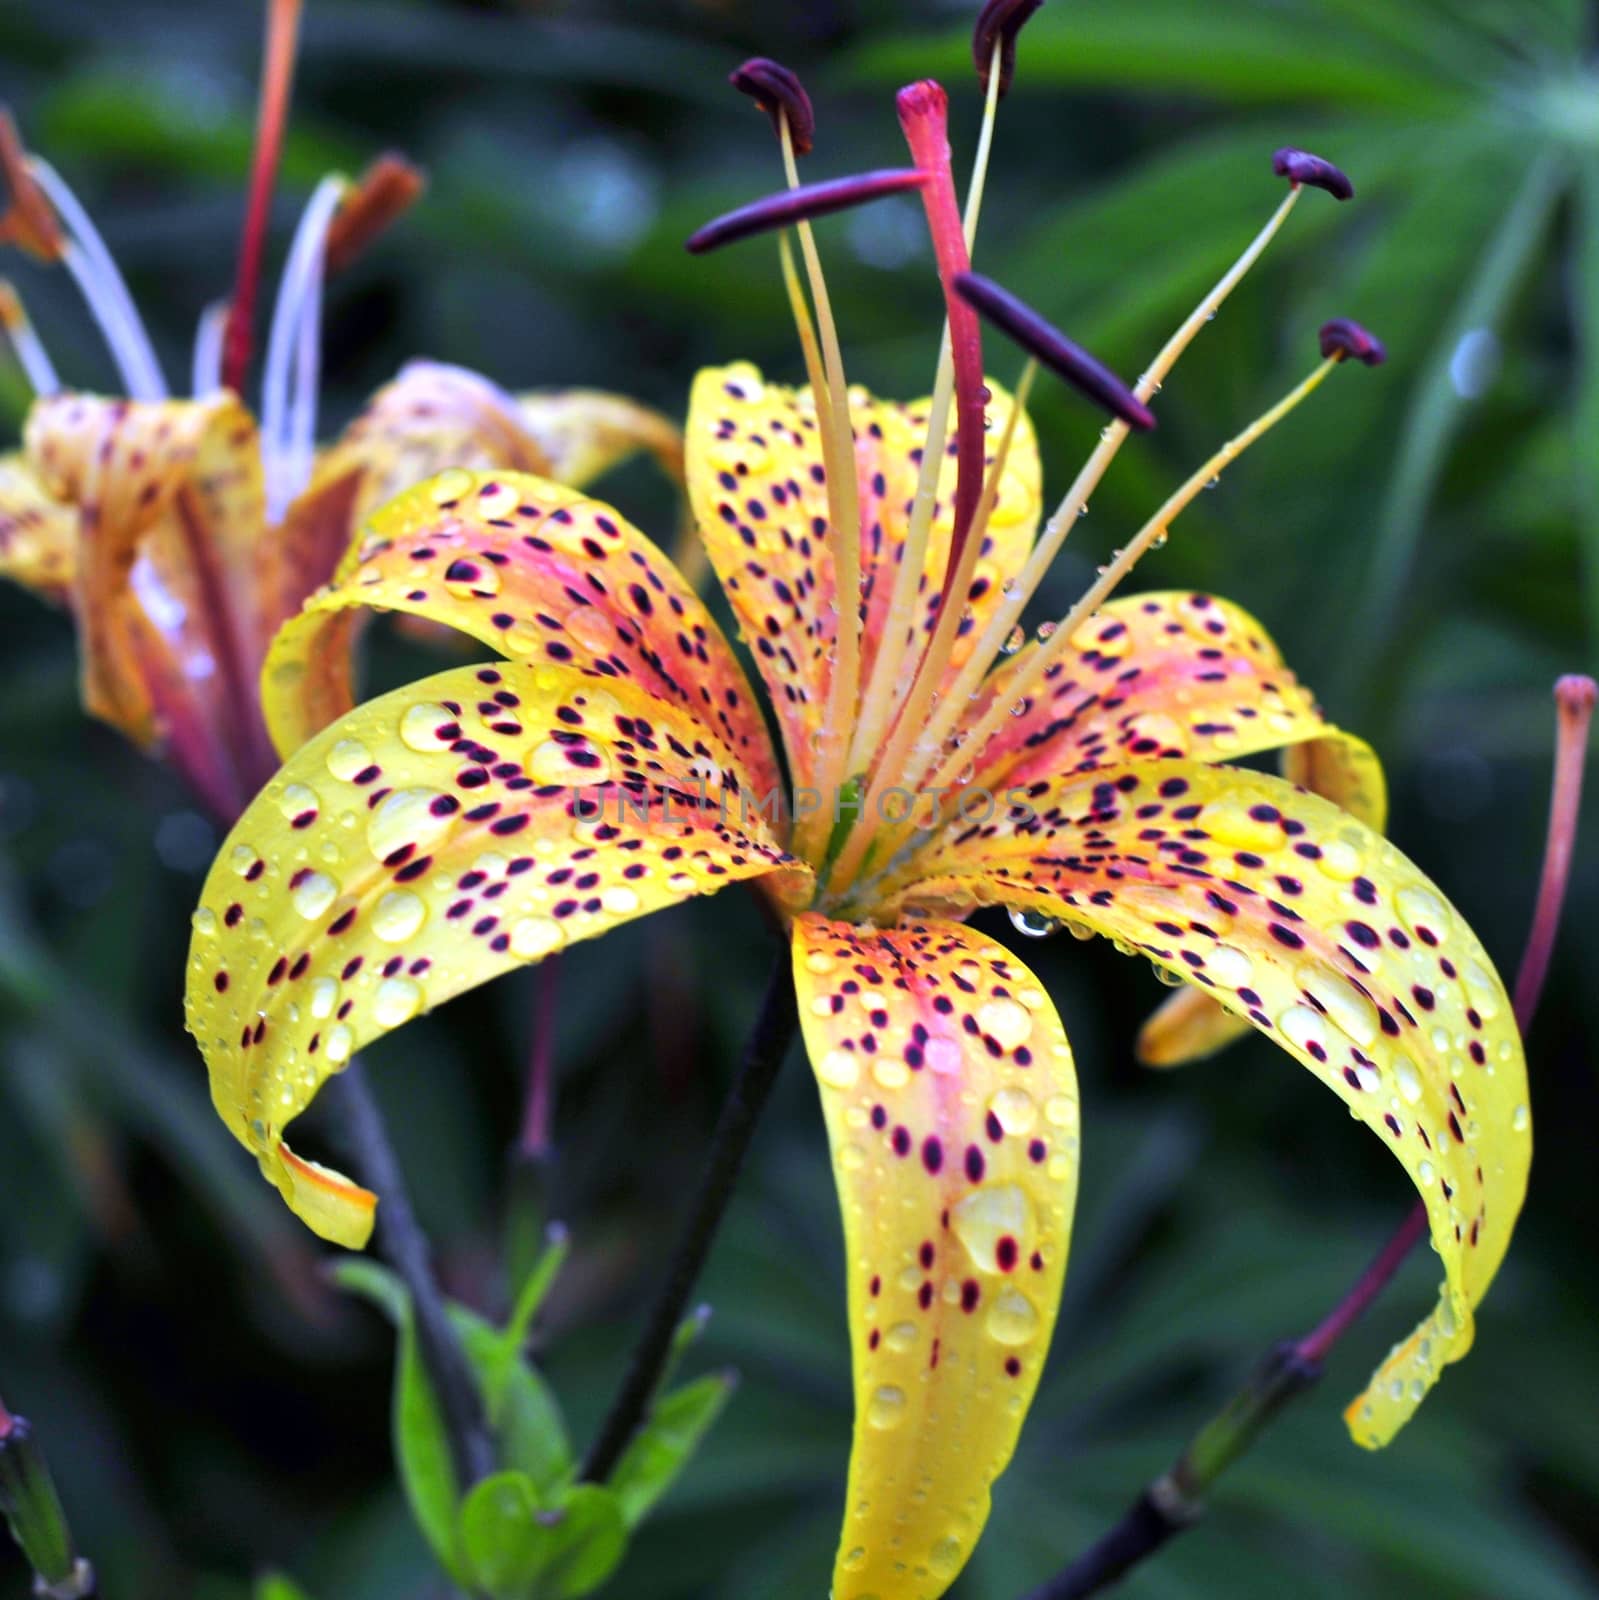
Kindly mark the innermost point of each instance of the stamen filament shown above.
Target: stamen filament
(1006, 616)
(843, 531)
(289, 388)
(930, 670)
(31, 354)
(877, 702)
(1124, 561)
(277, 81)
(206, 369)
(86, 257)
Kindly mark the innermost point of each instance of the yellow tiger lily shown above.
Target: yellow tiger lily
(181, 535)
(616, 761)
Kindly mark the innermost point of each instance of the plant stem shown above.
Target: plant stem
(757, 1072)
(1176, 1499)
(402, 1243)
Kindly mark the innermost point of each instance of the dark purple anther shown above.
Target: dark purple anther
(1054, 349)
(795, 205)
(1341, 338)
(1300, 166)
(998, 23)
(779, 93)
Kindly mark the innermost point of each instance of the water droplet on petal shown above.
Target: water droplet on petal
(886, 1408)
(839, 1069)
(313, 894)
(420, 725)
(535, 937)
(1034, 924)
(397, 1000)
(1007, 1021)
(348, 757)
(397, 916)
(1014, 1110)
(1012, 1318)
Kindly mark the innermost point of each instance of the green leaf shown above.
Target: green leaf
(505, 1543)
(529, 1428)
(274, 1586)
(499, 1364)
(590, 1539)
(664, 1445)
(421, 1442)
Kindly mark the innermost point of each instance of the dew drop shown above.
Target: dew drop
(397, 916)
(1007, 1021)
(1521, 1119)
(204, 923)
(988, 1215)
(419, 727)
(1014, 1110)
(886, 1408)
(901, 1337)
(348, 757)
(839, 1069)
(341, 1041)
(535, 937)
(1409, 1083)
(324, 997)
(313, 894)
(552, 762)
(406, 817)
(397, 1000)
(469, 578)
(1012, 1318)
(1034, 924)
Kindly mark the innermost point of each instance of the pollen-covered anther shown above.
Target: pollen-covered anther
(780, 94)
(801, 204)
(1060, 354)
(1315, 172)
(998, 23)
(388, 188)
(1342, 338)
(28, 220)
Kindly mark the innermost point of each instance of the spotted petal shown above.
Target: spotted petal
(1156, 677)
(951, 1105)
(424, 843)
(539, 573)
(38, 533)
(1291, 913)
(1188, 1025)
(758, 491)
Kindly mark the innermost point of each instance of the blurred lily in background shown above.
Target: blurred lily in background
(877, 557)
(182, 532)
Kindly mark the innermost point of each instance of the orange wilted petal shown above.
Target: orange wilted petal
(502, 813)
(168, 505)
(951, 1103)
(1293, 914)
(758, 491)
(541, 574)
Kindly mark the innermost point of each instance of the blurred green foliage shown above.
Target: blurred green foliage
(1423, 540)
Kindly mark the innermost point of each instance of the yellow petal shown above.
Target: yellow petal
(585, 432)
(1294, 915)
(951, 1105)
(541, 574)
(758, 492)
(428, 841)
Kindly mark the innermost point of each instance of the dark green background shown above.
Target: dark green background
(1428, 558)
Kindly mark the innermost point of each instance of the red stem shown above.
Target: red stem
(277, 79)
(924, 118)
(1574, 703)
(533, 1144)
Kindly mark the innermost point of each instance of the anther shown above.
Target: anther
(998, 23)
(799, 205)
(28, 221)
(1301, 167)
(388, 188)
(1060, 354)
(779, 93)
(1341, 338)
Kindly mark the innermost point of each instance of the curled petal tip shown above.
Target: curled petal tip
(1342, 338)
(998, 23)
(1300, 166)
(26, 217)
(796, 205)
(779, 93)
(1576, 693)
(1060, 354)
